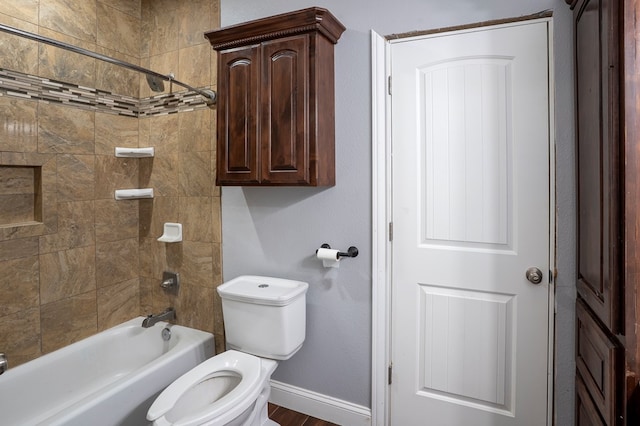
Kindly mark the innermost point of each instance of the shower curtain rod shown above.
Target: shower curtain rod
(210, 95)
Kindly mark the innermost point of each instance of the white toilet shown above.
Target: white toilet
(264, 321)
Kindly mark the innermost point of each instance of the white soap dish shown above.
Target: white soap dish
(172, 233)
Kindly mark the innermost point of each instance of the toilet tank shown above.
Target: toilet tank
(264, 316)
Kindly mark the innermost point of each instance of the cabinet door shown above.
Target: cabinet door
(238, 85)
(599, 275)
(284, 121)
(599, 362)
(586, 411)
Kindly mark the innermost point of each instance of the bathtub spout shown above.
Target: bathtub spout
(167, 315)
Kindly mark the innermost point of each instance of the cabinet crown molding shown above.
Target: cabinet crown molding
(313, 19)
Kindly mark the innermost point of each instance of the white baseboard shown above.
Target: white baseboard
(320, 406)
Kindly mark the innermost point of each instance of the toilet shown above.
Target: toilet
(264, 320)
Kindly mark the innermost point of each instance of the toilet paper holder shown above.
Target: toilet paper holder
(351, 251)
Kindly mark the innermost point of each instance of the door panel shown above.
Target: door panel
(462, 330)
(466, 178)
(470, 142)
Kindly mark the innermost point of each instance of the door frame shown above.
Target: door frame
(381, 272)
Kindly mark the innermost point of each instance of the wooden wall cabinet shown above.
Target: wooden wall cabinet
(276, 112)
(607, 64)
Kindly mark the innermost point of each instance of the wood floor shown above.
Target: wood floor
(286, 417)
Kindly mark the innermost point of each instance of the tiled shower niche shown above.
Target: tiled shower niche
(20, 195)
(28, 195)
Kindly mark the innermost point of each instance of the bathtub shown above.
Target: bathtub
(107, 379)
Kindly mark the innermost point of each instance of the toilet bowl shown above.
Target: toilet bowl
(264, 322)
(224, 388)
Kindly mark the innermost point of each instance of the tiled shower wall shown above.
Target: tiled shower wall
(90, 262)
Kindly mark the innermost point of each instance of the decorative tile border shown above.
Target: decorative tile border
(25, 86)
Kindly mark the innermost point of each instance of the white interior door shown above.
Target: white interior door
(470, 185)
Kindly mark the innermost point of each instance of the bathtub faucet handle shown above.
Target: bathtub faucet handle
(170, 280)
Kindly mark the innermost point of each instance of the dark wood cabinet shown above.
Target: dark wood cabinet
(276, 113)
(607, 63)
(598, 164)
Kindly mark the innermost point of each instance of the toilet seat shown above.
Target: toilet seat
(248, 368)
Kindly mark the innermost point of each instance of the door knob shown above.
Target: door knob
(534, 275)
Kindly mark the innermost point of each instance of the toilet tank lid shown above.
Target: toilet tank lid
(262, 290)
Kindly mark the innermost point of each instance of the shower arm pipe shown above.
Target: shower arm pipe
(210, 95)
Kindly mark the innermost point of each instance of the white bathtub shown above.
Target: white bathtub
(107, 379)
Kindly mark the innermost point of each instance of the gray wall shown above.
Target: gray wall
(275, 231)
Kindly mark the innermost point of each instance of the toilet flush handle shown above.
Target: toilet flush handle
(4, 363)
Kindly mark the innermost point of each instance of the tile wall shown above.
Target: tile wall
(91, 262)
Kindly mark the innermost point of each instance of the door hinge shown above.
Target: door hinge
(389, 84)
(390, 231)
(389, 372)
